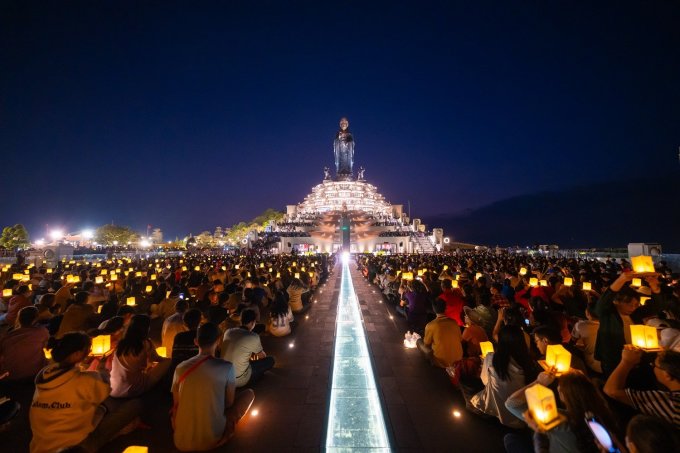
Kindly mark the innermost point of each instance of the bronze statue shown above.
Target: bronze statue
(343, 148)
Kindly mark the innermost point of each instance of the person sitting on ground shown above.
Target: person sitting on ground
(646, 434)
(21, 350)
(70, 407)
(173, 325)
(115, 327)
(545, 336)
(454, 301)
(579, 396)
(295, 291)
(504, 371)
(414, 303)
(183, 345)
(474, 333)
(167, 307)
(442, 342)
(585, 334)
(133, 372)
(280, 316)
(663, 404)
(206, 407)
(243, 348)
(20, 300)
(78, 316)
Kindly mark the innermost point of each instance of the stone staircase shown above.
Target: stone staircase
(423, 244)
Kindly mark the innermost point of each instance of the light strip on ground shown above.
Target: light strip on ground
(355, 420)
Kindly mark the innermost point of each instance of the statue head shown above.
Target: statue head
(344, 124)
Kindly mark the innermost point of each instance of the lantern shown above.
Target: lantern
(197, 268)
(6, 293)
(544, 282)
(587, 286)
(311, 274)
(250, 275)
(407, 276)
(568, 281)
(487, 347)
(642, 263)
(224, 268)
(236, 267)
(48, 353)
(454, 284)
(297, 275)
(457, 277)
(118, 271)
(644, 337)
(294, 263)
(30, 286)
(99, 280)
(411, 340)
(152, 277)
(303, 269)
(101, 344)
(149, 288)
(636, 282)
(261, 265)
(478, 275)
(184, 268)
(446, 267)
(541, 402)
(522, 271)
(26, 278)
(420, 272)
(113, 277)
(533, 282)
(162, 351)
(69, 279)
(138, 274)
(131, 301)
(643, 300)
(557, 357)
(99, 309)
(130, 269)
(104, 271)
(271, 270)
(278, 275)
(49, 271)
(136, 449)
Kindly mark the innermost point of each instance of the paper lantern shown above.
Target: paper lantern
(69, 279)
(130, 269)
(587, 286)
(543, 282)
(118, 271)
(457, 277)
(6, 293)
(101, 344)
(249, 275)
(26, 278)
(411, 340)
(278, 275)
(420, 272)
(478, 275)
(17, 276)
(533, 282)
(557, 357)
(541, 402)
(49, 271)
(568, 281)
(297, 275)
(162, 351)
(224, 268)
(197, 268)
(104, 272)
(454, 284)
(152, 277)
(99, 280)
(113, 277)
(303, 269)
(138, 274)
(642, 263)
(522, 271)
(644, 337)
(271, 269)
(636, 282)
(136, 449)
(148, 288)
(311, 274)
(261, 265)
(126, 273)
(99, 309)
(643, 300)
(446, 267)
(294, 263)
(487, 347)
(99, 265)
(48, 353)
(30, 286)
(184, 268)
(131, 301)
(407, 276)
(236, 267)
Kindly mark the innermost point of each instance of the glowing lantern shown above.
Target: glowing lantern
(249, 275)
(557, 357)
(478, 275)
(6, 293)
(544, 282)
(26, 271)
(533, 282)
(26, 278)
(162, 351)
(636, 282)
(454, 284)
(644, 337)
(446, 267)
(113, 277)
(104, 272)
(522, 271)
(130, 269)
(261, 265)
(294, 263)
(642, 263)
(541, 402)
(420, 272)
(224, 268)
(278, 275)
(587, 286)
(184, 268)
(99, 280)
(131, 301)
(197, 268)
(568, 281)
(643, 300)
(407, 276)
(118, 271)
(271, 269)
(411, 339)
(30, 287)
(236, 267)
(69, 279)
(136, 449)
(303, 269)
(149, 288)
(138, 274)
(48, 353)
(99, 309)
(297, 275)
(126, 273)
(17, 276)
(457, 277)
(311, 274)
(49, 271)
(487, 347)
(101, 344)
(152, 277)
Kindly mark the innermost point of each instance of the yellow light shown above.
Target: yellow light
(149, 288)
(541, 402)
(130, 269)
(456, 414)
(642, 263)
(487, 347)
(533, 282)
(544, 282)
(197, 268)
(568, 281)
(184, 268)
(162, 351)
(478, 275)
(126, 273)
(278, 275)
(297, 275)
(557, 357)
(99, 309)
(261, 265)
(30, 286)
(113, 277)
(6, 293)
(104, 272)
(302, 269)
(237, 267)
(99, 280)
(248, 274)
(101, 344)
(643, 300)
(138, 274)
(118, 271)
(25, 278)
(69, 278)
(254, 412)
(446, 267)
(294, 263)
(644, 336)
(522, 271)
(636, 282)
(271, 270)
(454, 284)
(26, 271)
(17, 276)
(224, 268)
(152, 277)
(311, 274)
(48, 353)
(407, 276)
(136, 449)
(587, 286)
(131, 301)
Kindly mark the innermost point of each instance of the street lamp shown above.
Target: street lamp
(56, 235)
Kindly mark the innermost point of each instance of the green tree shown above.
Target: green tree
(14, 237)
(108, 234)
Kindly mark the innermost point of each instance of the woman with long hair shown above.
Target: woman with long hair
(280, 316)
(504, 371)
(136, 365)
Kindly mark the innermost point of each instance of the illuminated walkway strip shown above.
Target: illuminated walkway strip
(355, 420)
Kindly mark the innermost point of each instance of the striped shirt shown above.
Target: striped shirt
(658, 403)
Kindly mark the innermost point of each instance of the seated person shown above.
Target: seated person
(133, 371)
(646, 434)
(173, 325)
(585, 334)
(78, 316)
(183, 345)
(280, 316)
(21, 350)
(442, 342)
(243, 348)
(71, 407)
(206, 408)
(295, 291)
(663, 404)
(545, 336)
(474, 333)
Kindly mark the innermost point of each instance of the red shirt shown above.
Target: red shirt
(454, 305)
(16, 303)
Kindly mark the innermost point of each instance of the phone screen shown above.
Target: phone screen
(181, 296)
(601, 435)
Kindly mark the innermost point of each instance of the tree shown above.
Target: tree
(14, 237)
(108, 234)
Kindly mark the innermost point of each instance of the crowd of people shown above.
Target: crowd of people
(80, 332)
(523, 304)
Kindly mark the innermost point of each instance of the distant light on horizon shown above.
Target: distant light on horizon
(87, 234)
(56, 234)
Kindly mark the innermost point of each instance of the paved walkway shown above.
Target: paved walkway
(292, 400)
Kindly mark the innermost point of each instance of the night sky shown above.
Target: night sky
(191, 115)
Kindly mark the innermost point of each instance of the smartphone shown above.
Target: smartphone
(181, 296)
(526, 321)
(601, 434)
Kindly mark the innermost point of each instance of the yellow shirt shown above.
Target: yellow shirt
(442, 334)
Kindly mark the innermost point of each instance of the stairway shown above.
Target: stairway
(423, 244)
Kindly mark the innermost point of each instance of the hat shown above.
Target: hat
(479, 315)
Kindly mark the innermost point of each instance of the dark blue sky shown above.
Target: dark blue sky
(190, 115)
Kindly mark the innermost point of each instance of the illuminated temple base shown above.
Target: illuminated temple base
(355, 420)
(349, 195)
